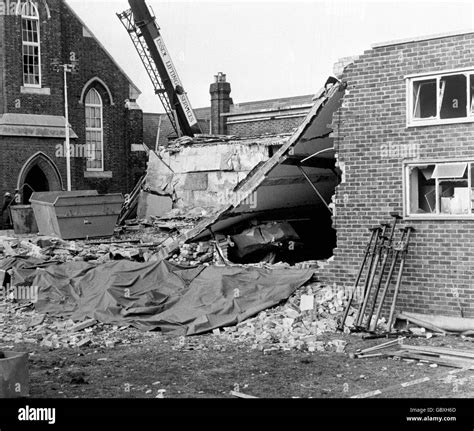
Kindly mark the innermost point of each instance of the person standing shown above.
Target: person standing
(5, 213)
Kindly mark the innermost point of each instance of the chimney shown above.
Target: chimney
(220, 104)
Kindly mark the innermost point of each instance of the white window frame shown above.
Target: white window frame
(24, 43)
(95, 129)
(438, 215)
(410, 100)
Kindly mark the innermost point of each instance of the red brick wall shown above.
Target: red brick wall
(61, 35)
(373, 115)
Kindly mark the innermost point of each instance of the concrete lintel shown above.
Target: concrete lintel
(98, 174)
(34, 90)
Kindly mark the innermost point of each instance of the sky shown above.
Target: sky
(267, 49)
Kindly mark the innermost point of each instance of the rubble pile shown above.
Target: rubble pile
(133, 244)
(195, 254)
(298, 324)
(21, 324)
(137, 240)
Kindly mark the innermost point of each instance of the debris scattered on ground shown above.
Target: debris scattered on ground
(195, 254)
(293, 325)
(432, 355)
(369, 352)
(137, 240)
(20, 324)
(438, 324)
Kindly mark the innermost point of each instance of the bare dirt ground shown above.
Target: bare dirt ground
(211, 367)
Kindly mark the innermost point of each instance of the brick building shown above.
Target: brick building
(224, 117)
(106, 124)
(404, 138)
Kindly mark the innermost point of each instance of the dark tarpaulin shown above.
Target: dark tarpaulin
(24, 269)
(162, 295)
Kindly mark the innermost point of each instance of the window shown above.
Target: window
(31, 45)
(94, 131)
(439, 190)
(444, 98)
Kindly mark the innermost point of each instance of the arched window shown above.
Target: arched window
(30, 33)
(94, 131)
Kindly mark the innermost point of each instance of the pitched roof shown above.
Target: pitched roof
(272, 104)
(151, 121)
(101, 45)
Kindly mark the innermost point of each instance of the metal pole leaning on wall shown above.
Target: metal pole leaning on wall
(396, 254)
(383, 237)
(404, 252)
(373, 235)
(387, 247)
(373, 252)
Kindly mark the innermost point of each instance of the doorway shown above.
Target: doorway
(35, 180)
(39, 174)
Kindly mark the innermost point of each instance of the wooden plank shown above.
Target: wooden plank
(369, 355)
(439, 350)
(383, 345)
(421, 323)
(315, 162)
(83, 325)
(432, 359)
(241, 395)
(446, 323)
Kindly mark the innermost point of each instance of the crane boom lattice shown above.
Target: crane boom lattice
(141, 46)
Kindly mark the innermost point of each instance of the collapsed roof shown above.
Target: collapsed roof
(300, 177)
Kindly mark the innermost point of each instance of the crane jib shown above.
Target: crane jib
(174, 78)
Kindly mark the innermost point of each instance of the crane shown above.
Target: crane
(145, 34)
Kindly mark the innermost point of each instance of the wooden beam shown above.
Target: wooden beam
(439, 351)
(315, 189)
(241, 395)
(315, 162)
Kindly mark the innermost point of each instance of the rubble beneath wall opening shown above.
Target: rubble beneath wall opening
(285, 206)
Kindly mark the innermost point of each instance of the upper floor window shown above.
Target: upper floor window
(441, 99)
(30, 32)
(94, 131)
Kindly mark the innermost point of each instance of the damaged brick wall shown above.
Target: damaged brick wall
(258, 128)
(372, 142)
(202, 175)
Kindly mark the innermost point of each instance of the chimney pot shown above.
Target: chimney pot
(220, 77)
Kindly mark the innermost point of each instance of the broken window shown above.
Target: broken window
(31, 45)
(442, 97)
(440, 189)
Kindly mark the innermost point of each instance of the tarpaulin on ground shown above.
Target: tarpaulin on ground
(24, 269)
(161, 295)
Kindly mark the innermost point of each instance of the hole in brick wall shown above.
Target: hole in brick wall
(305, 235)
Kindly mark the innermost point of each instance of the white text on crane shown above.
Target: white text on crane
(183, 98)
